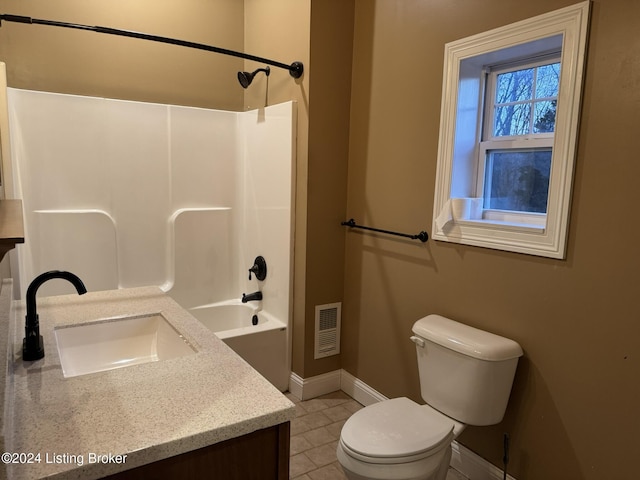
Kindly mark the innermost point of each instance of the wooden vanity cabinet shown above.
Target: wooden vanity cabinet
(260, 455)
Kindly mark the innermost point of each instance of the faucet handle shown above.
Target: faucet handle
(259, 268)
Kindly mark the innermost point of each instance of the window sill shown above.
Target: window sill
(516, 237)
(501, 225)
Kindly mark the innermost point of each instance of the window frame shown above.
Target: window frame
(491, 142)
(460, 171)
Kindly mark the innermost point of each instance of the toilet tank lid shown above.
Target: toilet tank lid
(465, 339)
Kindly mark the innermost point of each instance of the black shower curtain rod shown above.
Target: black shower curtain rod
(295, 69)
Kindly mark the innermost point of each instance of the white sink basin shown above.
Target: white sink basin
(119, 342)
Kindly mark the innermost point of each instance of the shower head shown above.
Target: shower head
(245, 78)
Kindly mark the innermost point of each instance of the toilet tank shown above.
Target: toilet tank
(465, 373)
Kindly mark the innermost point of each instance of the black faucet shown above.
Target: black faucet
(32, 345)
(251, 296)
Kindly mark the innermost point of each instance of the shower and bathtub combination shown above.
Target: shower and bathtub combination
(129, 194)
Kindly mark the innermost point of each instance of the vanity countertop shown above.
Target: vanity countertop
(146, 412)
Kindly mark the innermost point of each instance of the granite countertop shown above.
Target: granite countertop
(147, 412)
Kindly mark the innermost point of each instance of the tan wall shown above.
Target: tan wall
(54, 59)
(329, 104)
(573, 412)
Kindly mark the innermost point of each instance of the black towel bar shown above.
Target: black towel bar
(422, 236)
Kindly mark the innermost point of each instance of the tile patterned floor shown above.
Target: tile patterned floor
(314, 436)
(315, 433)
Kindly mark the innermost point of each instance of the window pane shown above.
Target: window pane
(544, 119)
(525, 101)
(547, 81)
(514, 86)
(512, 120)
(517, 180)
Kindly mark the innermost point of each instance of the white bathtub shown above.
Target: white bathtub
(263, 345)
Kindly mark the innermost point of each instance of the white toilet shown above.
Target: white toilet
(465, 377)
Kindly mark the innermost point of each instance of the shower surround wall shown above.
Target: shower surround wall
(127, 194)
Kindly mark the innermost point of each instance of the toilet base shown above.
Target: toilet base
(431, 468)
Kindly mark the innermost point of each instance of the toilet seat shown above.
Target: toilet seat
(396, 431)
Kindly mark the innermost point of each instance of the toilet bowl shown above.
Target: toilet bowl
(397, 440)
(466, 376)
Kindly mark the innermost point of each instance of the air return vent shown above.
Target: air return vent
(327, 334)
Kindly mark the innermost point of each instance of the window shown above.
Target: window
(517, 144)
(508, 133)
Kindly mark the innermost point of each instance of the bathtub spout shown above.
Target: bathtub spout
(251, 297)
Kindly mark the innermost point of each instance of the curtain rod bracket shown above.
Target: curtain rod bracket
(296, 69)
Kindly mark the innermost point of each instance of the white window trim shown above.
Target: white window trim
(550, 239)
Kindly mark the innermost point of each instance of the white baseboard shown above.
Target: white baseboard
(358, 390)
(312, 387)
(469, 464)
(306, 388)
